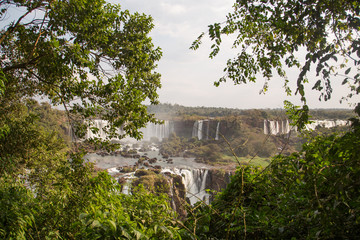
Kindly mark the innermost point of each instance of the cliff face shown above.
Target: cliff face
(183, 128)
(217, 180)
(170, 184)
(213, 129)
(183, 186)
(178, 195)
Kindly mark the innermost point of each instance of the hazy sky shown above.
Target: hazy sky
(188, 76)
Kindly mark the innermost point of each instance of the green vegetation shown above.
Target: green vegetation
(270, 35)
(241, 136)
(312, 194)
(48, 192)
(95, 60)
(255, 161)
(154, 183)
(174, 111)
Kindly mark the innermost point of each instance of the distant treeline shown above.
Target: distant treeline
(174, 111)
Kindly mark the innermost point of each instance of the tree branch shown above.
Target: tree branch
(22, 65)
(12, 28)
(37, 40)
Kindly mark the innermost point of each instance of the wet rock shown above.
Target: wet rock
(157, 171)
(122, 180)
(132, 151)
(143, 172)
(152, 160)
(126, 169)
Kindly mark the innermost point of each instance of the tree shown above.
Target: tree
(270, 34)
(92, 57)
(97, 61)
(311, 194)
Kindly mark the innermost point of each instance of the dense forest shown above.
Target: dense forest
(96, 60)
(174, 111)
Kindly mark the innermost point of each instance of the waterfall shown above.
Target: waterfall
(266, 128)
(325, 123)
(283, 126)
(276, 127)
(200, 129)
(197, 129)
(286, 127)
(156, 130)
(159, 131)
(273, 128)
(217, 131)
(195, 183)
(101, 125)
(205, 129)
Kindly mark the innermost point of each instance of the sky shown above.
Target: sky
(188, 76)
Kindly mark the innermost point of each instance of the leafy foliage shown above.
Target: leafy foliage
(307, 195)
(89, 56)
(97, 61)
(45, 193)
(141, 215)
(270, 35)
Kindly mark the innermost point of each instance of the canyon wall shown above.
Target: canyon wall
(210, 129)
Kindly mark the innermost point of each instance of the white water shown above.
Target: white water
(217, 131)
(195, 181)
(202, 130)
(194, 175)
(326, 124)
(278, 127)
(198, 129)
(101, 125)
(158, 131)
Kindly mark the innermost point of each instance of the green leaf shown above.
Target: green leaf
(95, 224)
(348, 71)
(112, 225)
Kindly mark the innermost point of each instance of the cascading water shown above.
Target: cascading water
(266, 128)
(276, 127)
(195, 183)
(198, 129)
(325, 123)
(217, 131)
(283, 126)
(286, 126)
(159, 131)
(205, 129)
(100, 125)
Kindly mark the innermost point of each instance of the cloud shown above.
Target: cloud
(172, 9)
